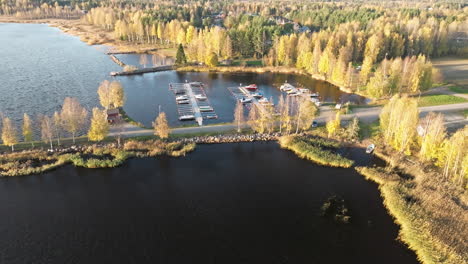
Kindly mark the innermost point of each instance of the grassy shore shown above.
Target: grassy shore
(430, 211)
(313, 148)
(90, 156)
(440, 99)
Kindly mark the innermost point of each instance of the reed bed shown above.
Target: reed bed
(431, 212)
(93, 156)
(312, 148)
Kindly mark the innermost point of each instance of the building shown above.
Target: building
(113, 116)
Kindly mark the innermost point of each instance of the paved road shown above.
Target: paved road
(326, 113)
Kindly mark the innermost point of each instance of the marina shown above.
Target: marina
(192, 102)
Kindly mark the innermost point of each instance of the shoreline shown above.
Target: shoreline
(73, 28)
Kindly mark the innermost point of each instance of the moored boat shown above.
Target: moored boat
(245, 100)
(257, 95)
(181, 98)
(212, 117)
(183, 101)
(186, 117)
(200, 97)
(287, 87)
(206, 108)
(370, 148)
(251, 87)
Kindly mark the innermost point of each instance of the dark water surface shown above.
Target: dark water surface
(231, 203)
(42, 65)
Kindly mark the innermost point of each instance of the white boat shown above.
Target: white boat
(196, 84)
(370, 148)
(183, 101)
(263, 100)
(314, 95)
(245, 100)
(292, 91)
(338, 106)
(211, 117)
(181, 98)
(286, 87)
(304, 91)
(257, 95)
(186, 117)
(200, 97)
(205, 108)
(318, 103)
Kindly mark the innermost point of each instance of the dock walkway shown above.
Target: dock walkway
(197, 105)
(145, 70)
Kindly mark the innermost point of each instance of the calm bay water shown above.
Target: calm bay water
(41, 66)
(256, 204)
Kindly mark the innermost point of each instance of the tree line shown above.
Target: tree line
(403, 130)
(72, 119)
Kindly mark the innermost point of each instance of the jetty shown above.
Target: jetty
(192, 102)
(145, 70)
(242, 93)
(117, 60)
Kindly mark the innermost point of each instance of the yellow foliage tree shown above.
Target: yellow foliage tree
(334, 125)
(9, 137)
(99, 125)
(161, 127)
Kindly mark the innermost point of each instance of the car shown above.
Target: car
(314, 124)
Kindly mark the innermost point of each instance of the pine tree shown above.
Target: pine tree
(180, 56)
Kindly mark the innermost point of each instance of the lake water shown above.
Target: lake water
(41, 66)
(230, 203)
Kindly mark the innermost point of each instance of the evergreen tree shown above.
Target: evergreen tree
(180, 56)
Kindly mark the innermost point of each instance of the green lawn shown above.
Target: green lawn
(458, 89)
(440, 99)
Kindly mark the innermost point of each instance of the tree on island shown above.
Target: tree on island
(161, 128)
(9, 137)
(99, 125)
(27, 129)
(181, 59)
(73, 116)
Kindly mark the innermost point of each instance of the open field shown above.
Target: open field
(440, 99)
(454, 70)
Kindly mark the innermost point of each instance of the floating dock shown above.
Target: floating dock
(196, 106)
(240, 93)
(145, 70)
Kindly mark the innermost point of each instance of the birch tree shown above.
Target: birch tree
(47, 130)
(9, 136)
(73, 116)
(239, 116)
(161, 127)
(99, 125)
(104, 94)
(117, 95)
(28, 129)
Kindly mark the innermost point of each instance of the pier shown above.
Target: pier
(241, 92)
(145, 70)
(196, 105)
(116, 60)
